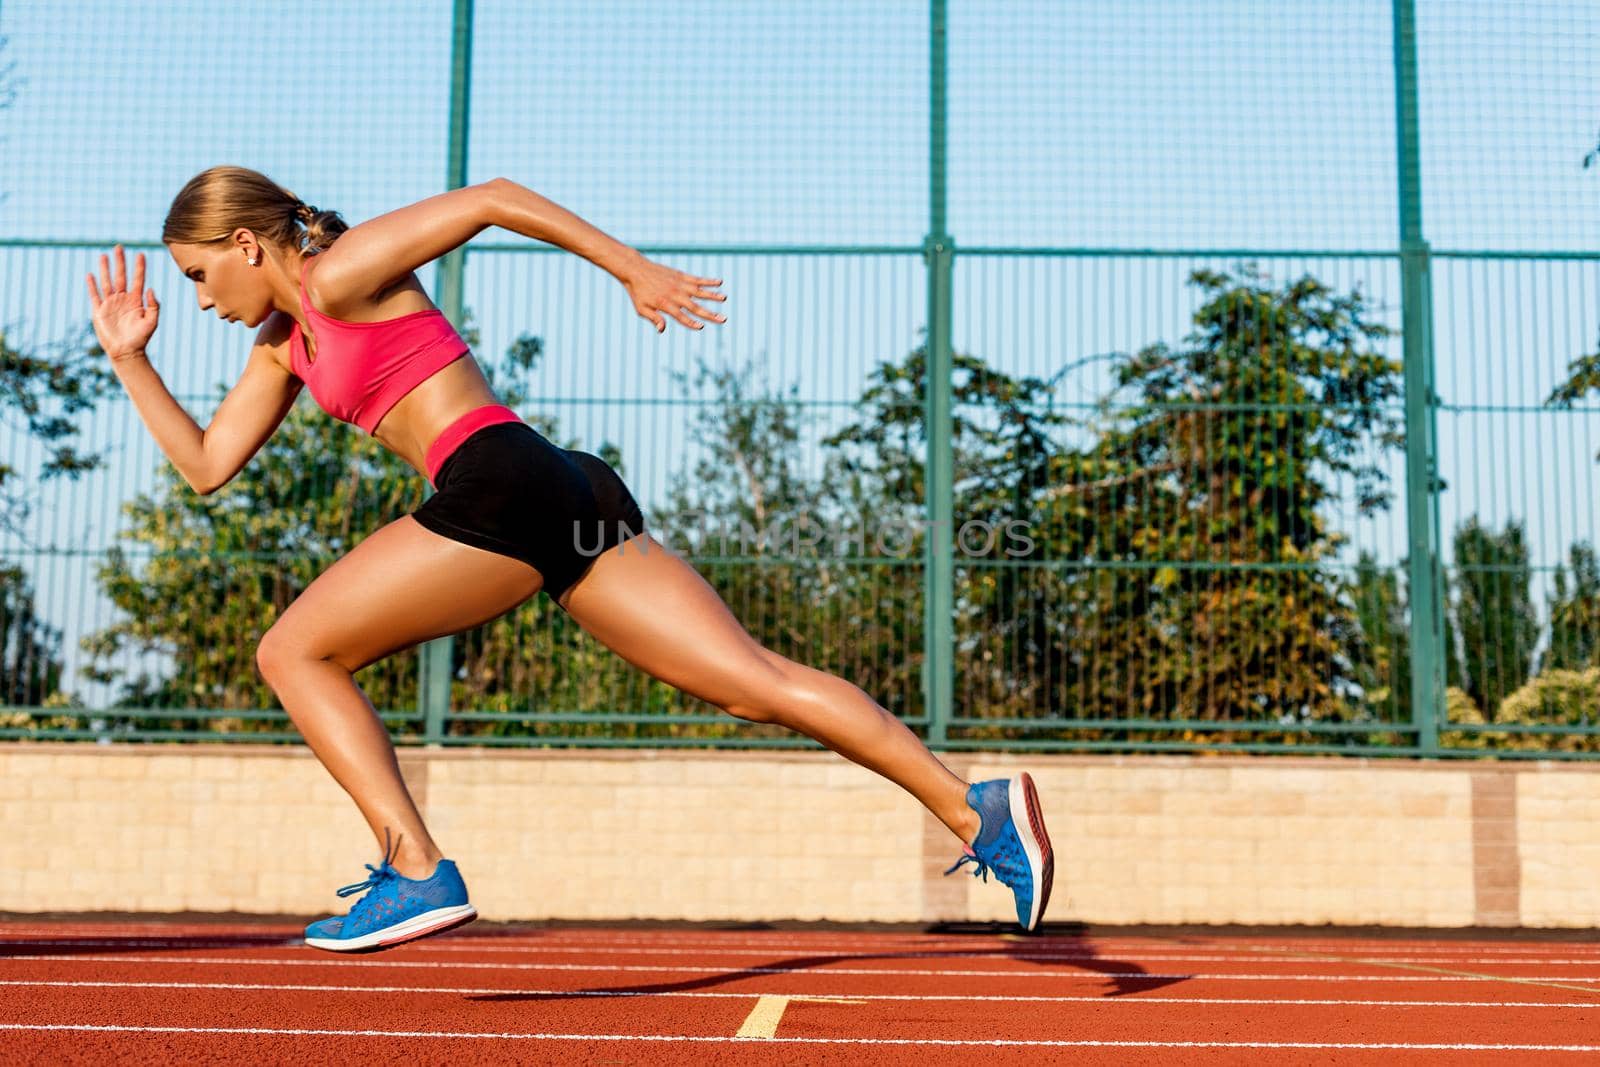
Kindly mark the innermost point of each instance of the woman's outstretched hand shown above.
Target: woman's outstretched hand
(657, 290)
(122, 320)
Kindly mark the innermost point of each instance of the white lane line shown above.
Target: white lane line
(1042, 943)
(1019, 949)
(990, 1043)
(1064, 947)
(616, 934)
(504, 991)
(153, 943)
(1254, 957)
(1036, 941)
(880, 972)
(1061, 957)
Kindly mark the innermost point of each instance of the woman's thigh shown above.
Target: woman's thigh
(648, 605)
(401, 586)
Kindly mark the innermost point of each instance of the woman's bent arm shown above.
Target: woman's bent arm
(250, 413)
(367, 258)
(519, 209)
(252, 410)
(656, 291)
(371, 257)
(179, 436)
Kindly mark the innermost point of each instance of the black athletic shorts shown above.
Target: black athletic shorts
(508, 489)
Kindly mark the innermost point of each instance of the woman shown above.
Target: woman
(341, 310)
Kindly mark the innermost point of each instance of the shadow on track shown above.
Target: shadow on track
(1067, 944)
(13, 947)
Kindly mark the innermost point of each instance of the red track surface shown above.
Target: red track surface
(163, 992)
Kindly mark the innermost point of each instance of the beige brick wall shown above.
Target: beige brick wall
(644, 835)
(753, 835)
(1268, 841)
(1558, 824)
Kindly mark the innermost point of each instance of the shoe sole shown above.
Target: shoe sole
(427, 924)
(1029, 821)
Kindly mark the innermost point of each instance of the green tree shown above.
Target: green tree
(1381, 654)
(30, 663)
(752, 521)
(1199, 510)
(1583, 376)
(1494, 612)
(1009, 641)
(1575, 613)
(41, 397)
(45, 396)
(1381, 658)
(828, 569)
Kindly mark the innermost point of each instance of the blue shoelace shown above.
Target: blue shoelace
(971, 857)
(1004, 860)
(378, 876)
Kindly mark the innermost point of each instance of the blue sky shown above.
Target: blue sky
(1137, 125)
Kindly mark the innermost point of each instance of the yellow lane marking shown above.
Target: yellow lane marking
(1325, 957)
(1514, 980)
(763, 1020)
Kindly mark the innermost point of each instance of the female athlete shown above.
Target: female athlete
(340, 310)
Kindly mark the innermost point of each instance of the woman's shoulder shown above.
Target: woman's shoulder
(405, 296)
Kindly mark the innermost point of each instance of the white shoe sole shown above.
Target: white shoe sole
(1029, 821)
(429, 922)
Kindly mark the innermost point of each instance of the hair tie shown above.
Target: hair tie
(304, 211)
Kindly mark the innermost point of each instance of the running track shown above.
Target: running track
(154, 992)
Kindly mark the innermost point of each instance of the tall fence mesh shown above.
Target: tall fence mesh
(1155, 377)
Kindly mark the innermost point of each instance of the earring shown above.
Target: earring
(250, 261)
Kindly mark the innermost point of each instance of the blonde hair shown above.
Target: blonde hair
(215, 202)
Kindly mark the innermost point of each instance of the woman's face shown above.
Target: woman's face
(224, 281)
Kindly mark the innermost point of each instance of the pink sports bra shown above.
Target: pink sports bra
(362, 369)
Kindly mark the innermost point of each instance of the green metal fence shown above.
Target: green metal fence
(1275, 497)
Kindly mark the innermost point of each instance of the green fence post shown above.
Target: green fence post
(433, 669)
(1422, 499)
(939, 554)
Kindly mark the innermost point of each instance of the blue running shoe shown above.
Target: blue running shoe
(396, 909)
(1012, 842)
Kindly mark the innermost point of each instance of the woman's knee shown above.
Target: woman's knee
(277, 653)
